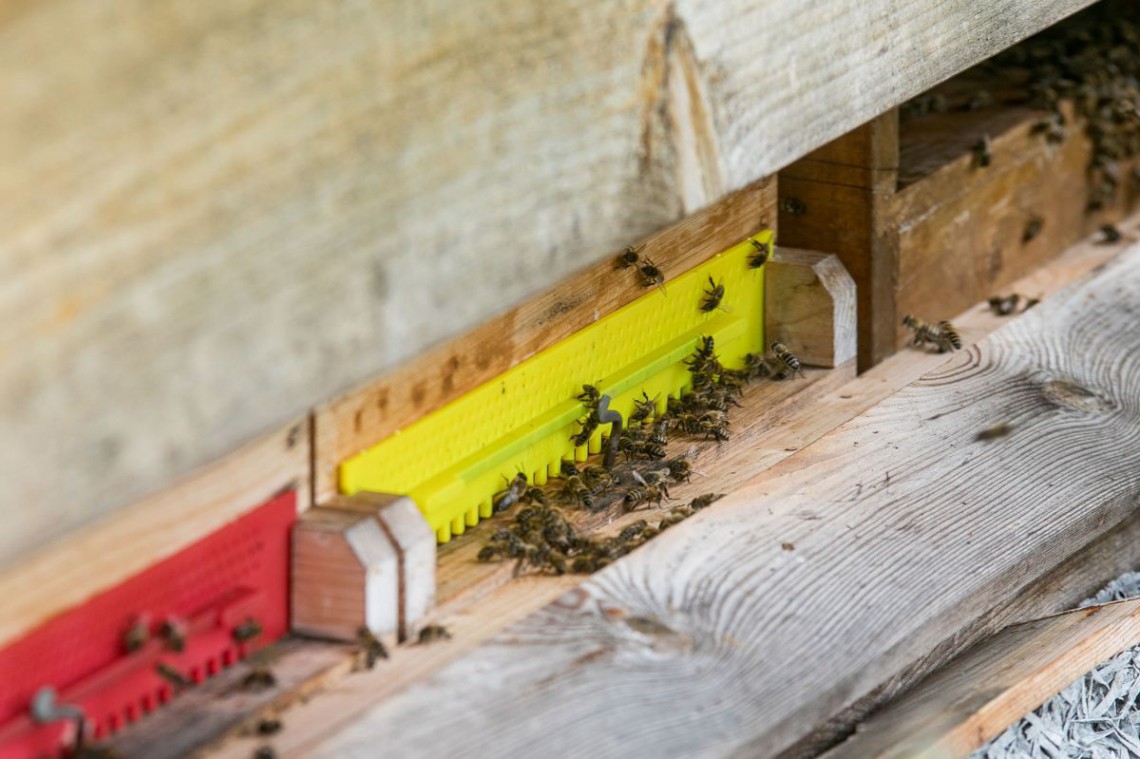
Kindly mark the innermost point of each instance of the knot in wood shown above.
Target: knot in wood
(1069, 394)
(660, 637)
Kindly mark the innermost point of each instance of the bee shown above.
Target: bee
(643, 409)
(173, 635)
(510, 495)
(258, 678)
(993, 433)
(1052, 127)
(660, 435)
(793, 206)
(785, 359)
(983, 155)
(1032, 229)
(714, 431)
(371, 646)
(674, 516)
(713, 296)
(652, 450)
(762, 254)
(584, 565)
(488, 553)
(575, 489)
(269, 726)
(703, 501)
(589, 395)
(756, 366)
(1004, 306)
(534, 495)
(1110, 233)
(597, 477)
(942, 335)
(247, 630)
(651, 275)
(680, 469)
(136, 636)
(588, 426)
(569, 468)
(629, 257)
(1030, 303)
(433, 633)
(643, 493)
(264, 752)
(633, 531)
(173, 676)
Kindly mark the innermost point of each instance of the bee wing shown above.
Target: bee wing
(637, 476)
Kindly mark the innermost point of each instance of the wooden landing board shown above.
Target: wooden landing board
(838, 569)
(977, 696)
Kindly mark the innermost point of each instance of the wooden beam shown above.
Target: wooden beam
(825, 559)
(977, 696)
(77, 567)
(205, 238)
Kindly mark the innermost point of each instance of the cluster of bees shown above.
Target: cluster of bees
(540, 537)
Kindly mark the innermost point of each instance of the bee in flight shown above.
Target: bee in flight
(942, 335)
(786, 360)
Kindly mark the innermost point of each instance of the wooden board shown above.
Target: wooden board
(218, 216)
(710, 614)
(977, 696)
(101, 556)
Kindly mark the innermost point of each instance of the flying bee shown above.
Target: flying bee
(510, 495)
(171, 675)
(942, 335)
(589, 395)
(1004, 306)
(433, 633)
(949, 339)
(247, 630)
(575, 490)
(785, 359)
(762, 254)
(371, 647)
(713, 296)
(703, 501)
(983, 155)
(629, 257)
(588, 426)
(643, 409)
(651, 275)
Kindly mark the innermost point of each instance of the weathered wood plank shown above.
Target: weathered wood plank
(218, 216)
(709, 615)
(994, 684)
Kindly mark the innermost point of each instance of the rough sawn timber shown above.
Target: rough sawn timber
(217, 215)
(900, 528)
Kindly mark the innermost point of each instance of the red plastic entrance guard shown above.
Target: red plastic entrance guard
(237, 577)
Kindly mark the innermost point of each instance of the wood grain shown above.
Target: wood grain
(707, 615)
(73, 569)
(977, 696)
(216, 217)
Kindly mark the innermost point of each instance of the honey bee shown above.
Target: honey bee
(432, 634)
(651, 275)
(534, 495)
(660, 434)
(1004, 306)
(258, 678)
(269, 726)
(589, 395)
(597, 477)
(575, 490)
(1032, 228)
(680, 469)
(643, 409)
(247, 630)
(1030, 303)
(136, 636)
(995, 432)
(756, 366)
(588, 426)
(371, 647)
(942, 335)
(569, 468)
(629, 257)
(983, 155)
(713, 296)
(173, 676)
(674, 516)
(785, 359)
(793, 206)
(703, 501)
(643, 493)
(1110, 233)
(510, 495)
(633, 531)
(762, 254)
(173, 635)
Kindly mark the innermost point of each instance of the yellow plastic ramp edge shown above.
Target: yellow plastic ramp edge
(453, 461)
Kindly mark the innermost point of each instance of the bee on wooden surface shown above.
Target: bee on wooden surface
(568, 468)
(995, 432)
(660, 434)
(136, 636)
(574, 490)
(371, 647)
(762, 254)
(680, 469)
(983, 154)
(534, 495)
(633, 531)
(643, 409)
(510, 495)
(703, 501)
(714, 294)
(589, 395)
(597, 477)
(1052, 128)
(1004, 306)
(589, 424)
(584, 565)
(258, 679)
(756, 366)
(173, 634)
(1030, 303)
(793, 206)
(651, 275)
(629, 257)
(643, 493)
(432, 634)
(1110, 233)
(171, 675)
(1033, 228)
(942, 335)
(787, 362)
(247, 630)
(269, 726)
(714, 431)
(674, 516)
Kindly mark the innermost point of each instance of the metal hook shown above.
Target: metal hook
(45, 708)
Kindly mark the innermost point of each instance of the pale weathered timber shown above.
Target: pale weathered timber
(977, 696)
(219, 214)
(809, 305)
(860, 555)
(70, 570)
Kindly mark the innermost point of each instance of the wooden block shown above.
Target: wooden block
(345, 575)
(809, 305)
(978, 695)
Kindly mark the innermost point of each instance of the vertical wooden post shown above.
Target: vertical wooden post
(838, 199)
